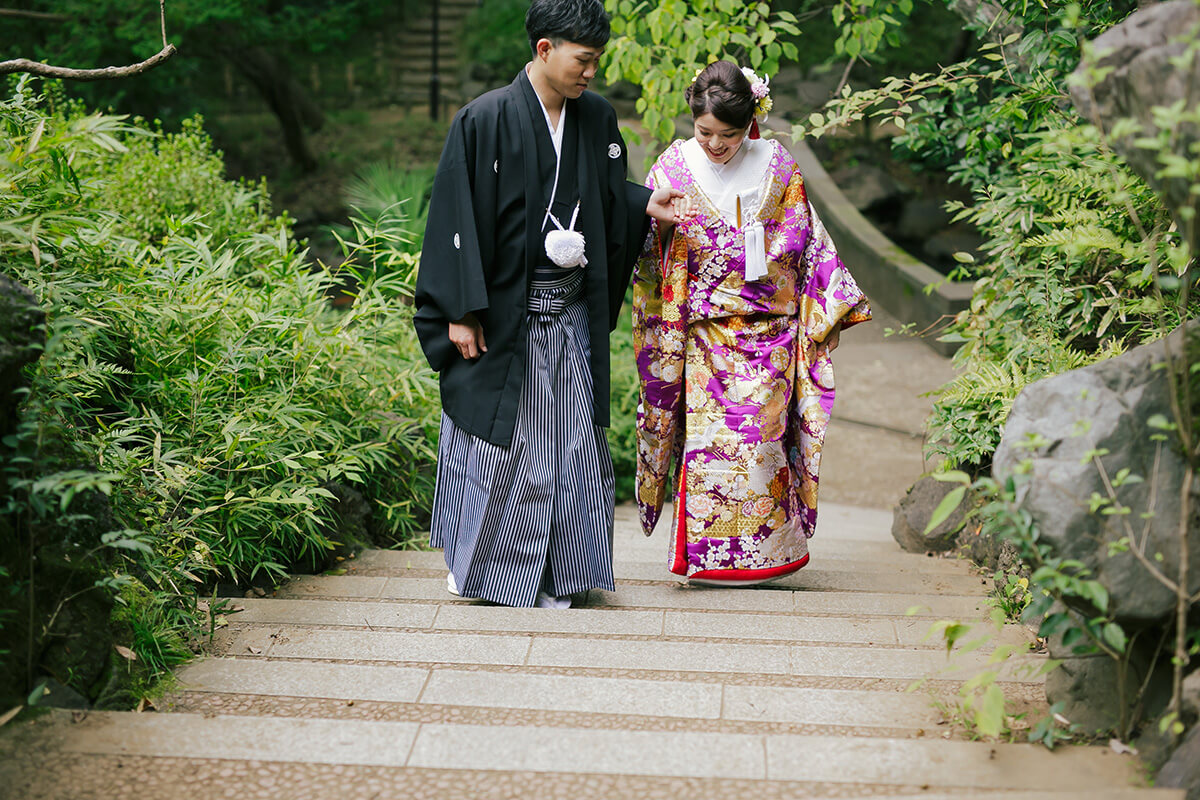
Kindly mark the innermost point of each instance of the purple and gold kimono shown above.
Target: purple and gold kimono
(732, 384)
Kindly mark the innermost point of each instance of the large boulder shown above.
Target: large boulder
(1133, 61)
(1107, 407)
(1087, 684)
(1182, 771)
(911, 517)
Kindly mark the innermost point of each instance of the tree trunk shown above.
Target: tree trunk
(292, 106)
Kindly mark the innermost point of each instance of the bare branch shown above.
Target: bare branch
(104, 73)
(38, 15)
(66, 73)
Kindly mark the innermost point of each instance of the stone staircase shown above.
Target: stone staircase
(378, 684)
(413, 52)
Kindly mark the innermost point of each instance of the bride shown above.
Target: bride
(736, 312)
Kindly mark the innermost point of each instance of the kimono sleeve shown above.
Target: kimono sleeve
(659, 336)
(629, 222)
(450, 279)
(830, 294)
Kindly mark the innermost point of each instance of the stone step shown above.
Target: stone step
(898, 563)
(811, 578)
(699, 657)
(781, 600)
(771, 757)
(569, 693)
(377, 615)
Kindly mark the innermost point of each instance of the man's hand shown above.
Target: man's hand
(663, 206)
(831, 341)
(467, 336)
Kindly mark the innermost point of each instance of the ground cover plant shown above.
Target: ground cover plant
(200, 413)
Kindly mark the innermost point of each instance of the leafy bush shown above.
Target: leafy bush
(1083, 260)
(195, 370)
(623, 400)
(494, 35)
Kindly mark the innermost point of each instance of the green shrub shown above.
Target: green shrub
(163, 185)
(623, 401)
(195, 370)
(494, 35)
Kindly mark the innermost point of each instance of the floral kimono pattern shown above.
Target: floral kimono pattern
(732, 387)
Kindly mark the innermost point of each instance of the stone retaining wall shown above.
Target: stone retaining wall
(892, 278)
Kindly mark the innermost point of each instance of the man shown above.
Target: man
(524, 499)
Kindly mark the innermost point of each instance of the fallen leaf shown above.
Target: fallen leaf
(202, 605)
(1121, 749)
(8, 715)
(254, 650)
(220, 621)
(1061, 720)
(259, 591)
(78, 716)
(234, 609)
(125, 652)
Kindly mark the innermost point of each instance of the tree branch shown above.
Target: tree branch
(104, 73)
(40, 15)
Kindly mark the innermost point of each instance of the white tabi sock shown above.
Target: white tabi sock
(451, 586)
(550, 601)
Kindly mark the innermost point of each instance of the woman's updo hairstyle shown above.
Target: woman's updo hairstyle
(723, 91)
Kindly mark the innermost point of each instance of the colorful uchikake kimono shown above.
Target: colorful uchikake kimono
(732, 385)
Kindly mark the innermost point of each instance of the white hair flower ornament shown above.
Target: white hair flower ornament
(760, 87)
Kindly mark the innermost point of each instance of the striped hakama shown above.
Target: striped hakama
(538, 514)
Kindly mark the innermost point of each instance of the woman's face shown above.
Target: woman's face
(719, 140)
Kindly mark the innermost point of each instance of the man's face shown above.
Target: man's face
(569, 67)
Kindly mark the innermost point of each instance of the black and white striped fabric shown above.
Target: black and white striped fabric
(538, 514)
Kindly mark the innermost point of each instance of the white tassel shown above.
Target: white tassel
(756, 252)
(566, 246)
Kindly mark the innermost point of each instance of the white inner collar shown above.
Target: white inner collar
(739, 179)
(556, 134)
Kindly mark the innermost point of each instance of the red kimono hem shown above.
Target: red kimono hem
(746, 574)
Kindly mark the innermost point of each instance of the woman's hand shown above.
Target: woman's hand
(664, 206)
(831, 341)
(467, 336)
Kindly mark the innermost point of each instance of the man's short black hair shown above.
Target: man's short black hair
(580, 21)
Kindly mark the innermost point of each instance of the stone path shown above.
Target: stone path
(379, 684)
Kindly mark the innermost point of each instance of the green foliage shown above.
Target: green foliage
(623, 402)
(154, 186)
(96, 33)
(662, 47)
(864, 27)
(1082, 259)
(393, 205)
(193, 359)
(970, 411)
(1010, 594)
(980, 706)
(494, 35)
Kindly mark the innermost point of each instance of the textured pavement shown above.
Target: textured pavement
(378, 684)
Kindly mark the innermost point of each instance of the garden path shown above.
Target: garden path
(376, 683)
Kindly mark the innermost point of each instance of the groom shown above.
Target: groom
(523, 505)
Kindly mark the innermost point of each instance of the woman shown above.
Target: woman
(736, 311)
